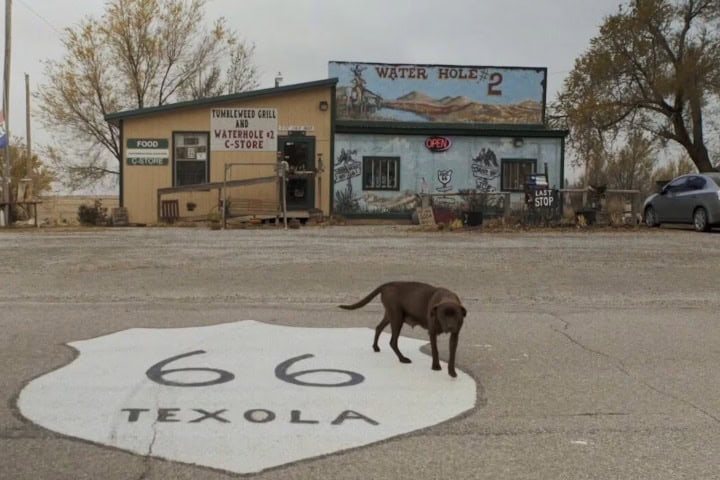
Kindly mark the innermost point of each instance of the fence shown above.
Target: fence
(257, 197)
(541, 206)
(600, 205)
(449, 206)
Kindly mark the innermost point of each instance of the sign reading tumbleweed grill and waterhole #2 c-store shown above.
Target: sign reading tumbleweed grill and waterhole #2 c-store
(147, 151)
(243, 396)
(243, 129)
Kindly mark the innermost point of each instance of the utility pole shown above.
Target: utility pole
(6, 110)
(26, 182)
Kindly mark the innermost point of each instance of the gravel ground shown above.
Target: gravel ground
(327, 265)
(595, 351)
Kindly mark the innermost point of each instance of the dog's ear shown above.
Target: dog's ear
(464, 312)
(432, 315)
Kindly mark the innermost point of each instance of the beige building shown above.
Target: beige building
(180, 160)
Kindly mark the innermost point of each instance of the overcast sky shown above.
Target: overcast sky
(299, 37)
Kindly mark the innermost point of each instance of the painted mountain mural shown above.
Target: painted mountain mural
(375, 92)
(465, 110)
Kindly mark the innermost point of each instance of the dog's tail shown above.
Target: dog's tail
(365, 300)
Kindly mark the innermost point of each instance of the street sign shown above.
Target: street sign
(243, 396)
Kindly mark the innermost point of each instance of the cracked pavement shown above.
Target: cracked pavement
(595, 353)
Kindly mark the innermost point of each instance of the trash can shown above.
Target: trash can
(473, 219)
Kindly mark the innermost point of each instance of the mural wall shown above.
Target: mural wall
(472, 163)
(438, 93)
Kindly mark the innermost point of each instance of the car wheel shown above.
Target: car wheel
(700, 220)
(651, 219)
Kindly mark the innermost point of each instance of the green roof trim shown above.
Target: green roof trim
(203, 102)
(428, 128)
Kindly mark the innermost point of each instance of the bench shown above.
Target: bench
(253, 207)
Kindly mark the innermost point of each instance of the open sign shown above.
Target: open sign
(438, 144)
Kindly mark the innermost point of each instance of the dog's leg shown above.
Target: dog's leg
(378, 330)
(453, 349)
(435, 357)
(396, 323)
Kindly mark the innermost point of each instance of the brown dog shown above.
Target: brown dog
(437, 310)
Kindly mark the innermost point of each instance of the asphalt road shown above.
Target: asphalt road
(595, 353)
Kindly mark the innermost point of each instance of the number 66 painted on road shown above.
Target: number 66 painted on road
(157, 373)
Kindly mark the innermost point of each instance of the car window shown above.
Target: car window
(696, 183)
(677, 184)
(715, 178)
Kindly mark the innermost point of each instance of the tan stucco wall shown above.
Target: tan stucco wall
(140, 183)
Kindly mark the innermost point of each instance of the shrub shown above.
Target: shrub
(92, 215)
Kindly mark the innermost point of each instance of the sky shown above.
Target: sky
(299, 37)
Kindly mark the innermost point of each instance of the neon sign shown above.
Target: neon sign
(438, 144)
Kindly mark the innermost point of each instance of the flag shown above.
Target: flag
(3, 133)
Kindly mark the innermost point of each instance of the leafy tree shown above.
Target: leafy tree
(139, 53)
(41, 175)
(681, 165)
(631, 168)
(654, 66)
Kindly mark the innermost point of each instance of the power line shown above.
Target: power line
(34, 12)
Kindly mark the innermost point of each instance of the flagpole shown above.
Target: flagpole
(6, 113)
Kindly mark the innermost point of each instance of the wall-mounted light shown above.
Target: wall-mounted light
(518, 142)
(323, 105)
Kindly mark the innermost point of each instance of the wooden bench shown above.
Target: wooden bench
(253, 207)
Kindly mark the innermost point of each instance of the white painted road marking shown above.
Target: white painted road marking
(243, 396)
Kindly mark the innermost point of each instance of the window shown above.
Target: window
(696, 183)
(677, 184)
(381, 173)
(514, 173)
(191, 158)
(715, 177)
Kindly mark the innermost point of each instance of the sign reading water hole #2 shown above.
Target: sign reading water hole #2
(243, 396)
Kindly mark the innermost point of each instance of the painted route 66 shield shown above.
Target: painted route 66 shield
(243, 396)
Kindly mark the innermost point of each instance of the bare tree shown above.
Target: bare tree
(139, 53)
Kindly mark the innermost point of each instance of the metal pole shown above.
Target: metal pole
(285, 167)
(6, 109)
(320, 170)
(224, 195)
(24, 191)
(28, 160)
